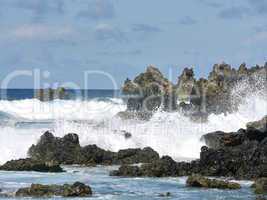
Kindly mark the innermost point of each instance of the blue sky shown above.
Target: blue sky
(122, 37)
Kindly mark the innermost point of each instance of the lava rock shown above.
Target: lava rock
(67, 150)
(164, 167)
(37, 190)
(30, 165)
(200, 181)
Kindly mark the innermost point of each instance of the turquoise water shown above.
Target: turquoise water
(105, 187)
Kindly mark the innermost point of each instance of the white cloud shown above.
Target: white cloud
(40, 31)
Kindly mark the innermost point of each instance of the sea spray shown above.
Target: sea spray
(169, 133)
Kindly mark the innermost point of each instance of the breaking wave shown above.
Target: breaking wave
(95, 121)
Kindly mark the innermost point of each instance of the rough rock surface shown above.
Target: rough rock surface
(37, 190)
(67, 150)
(148, 91)
(151, 90)
(51, 94)
(200, 181)
(242, 155)
(30, 165)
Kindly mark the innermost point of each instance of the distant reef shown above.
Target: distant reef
(50, 94)
(197, 98)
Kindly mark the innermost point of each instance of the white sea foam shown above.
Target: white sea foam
(95, 123)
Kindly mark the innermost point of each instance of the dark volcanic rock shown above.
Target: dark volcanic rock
(242, 155)
(67, 150)
(129, 156)
(30, 165)
(200, 181)
(164, 167)
(37, 190)
(64, 150)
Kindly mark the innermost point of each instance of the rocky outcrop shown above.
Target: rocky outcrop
(186, 84)
(148, 91)
(202, 182)
(67, 150)
(51, 94)
(31, 165)
(260, 186)
(242, 155)
(151, 90)
(37, 190)
(164, 167)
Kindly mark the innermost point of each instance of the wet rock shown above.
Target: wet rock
(50, 94)
(64, 150)
(67, 150)
(221, 139)
(37, 190)
(260, 186)
(145, 155)
(127, 171)
(151, 90)
(185, 86)
(30, 165)
(164, 167)
(241, 154)
(148, 91)
(167, 194)
(200, 181)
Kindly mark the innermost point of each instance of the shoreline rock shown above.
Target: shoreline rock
(150, 90)
(240, 155)
(67, 150)
(202, 182)
(37, 190)
(29, 164)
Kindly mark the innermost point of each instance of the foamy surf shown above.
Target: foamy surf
(95, 122)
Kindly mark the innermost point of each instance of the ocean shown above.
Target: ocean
(92, 115)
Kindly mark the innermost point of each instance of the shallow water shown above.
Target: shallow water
(105, 187)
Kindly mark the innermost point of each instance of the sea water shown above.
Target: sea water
(105, 187)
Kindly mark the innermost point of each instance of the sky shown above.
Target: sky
(99, 43)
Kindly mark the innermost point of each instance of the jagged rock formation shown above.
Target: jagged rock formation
(200, 181)
(37, 190)
(51, 94)
(30, 165)
(148, 91)
(242, 155)
(151, 90)
(67, 150)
